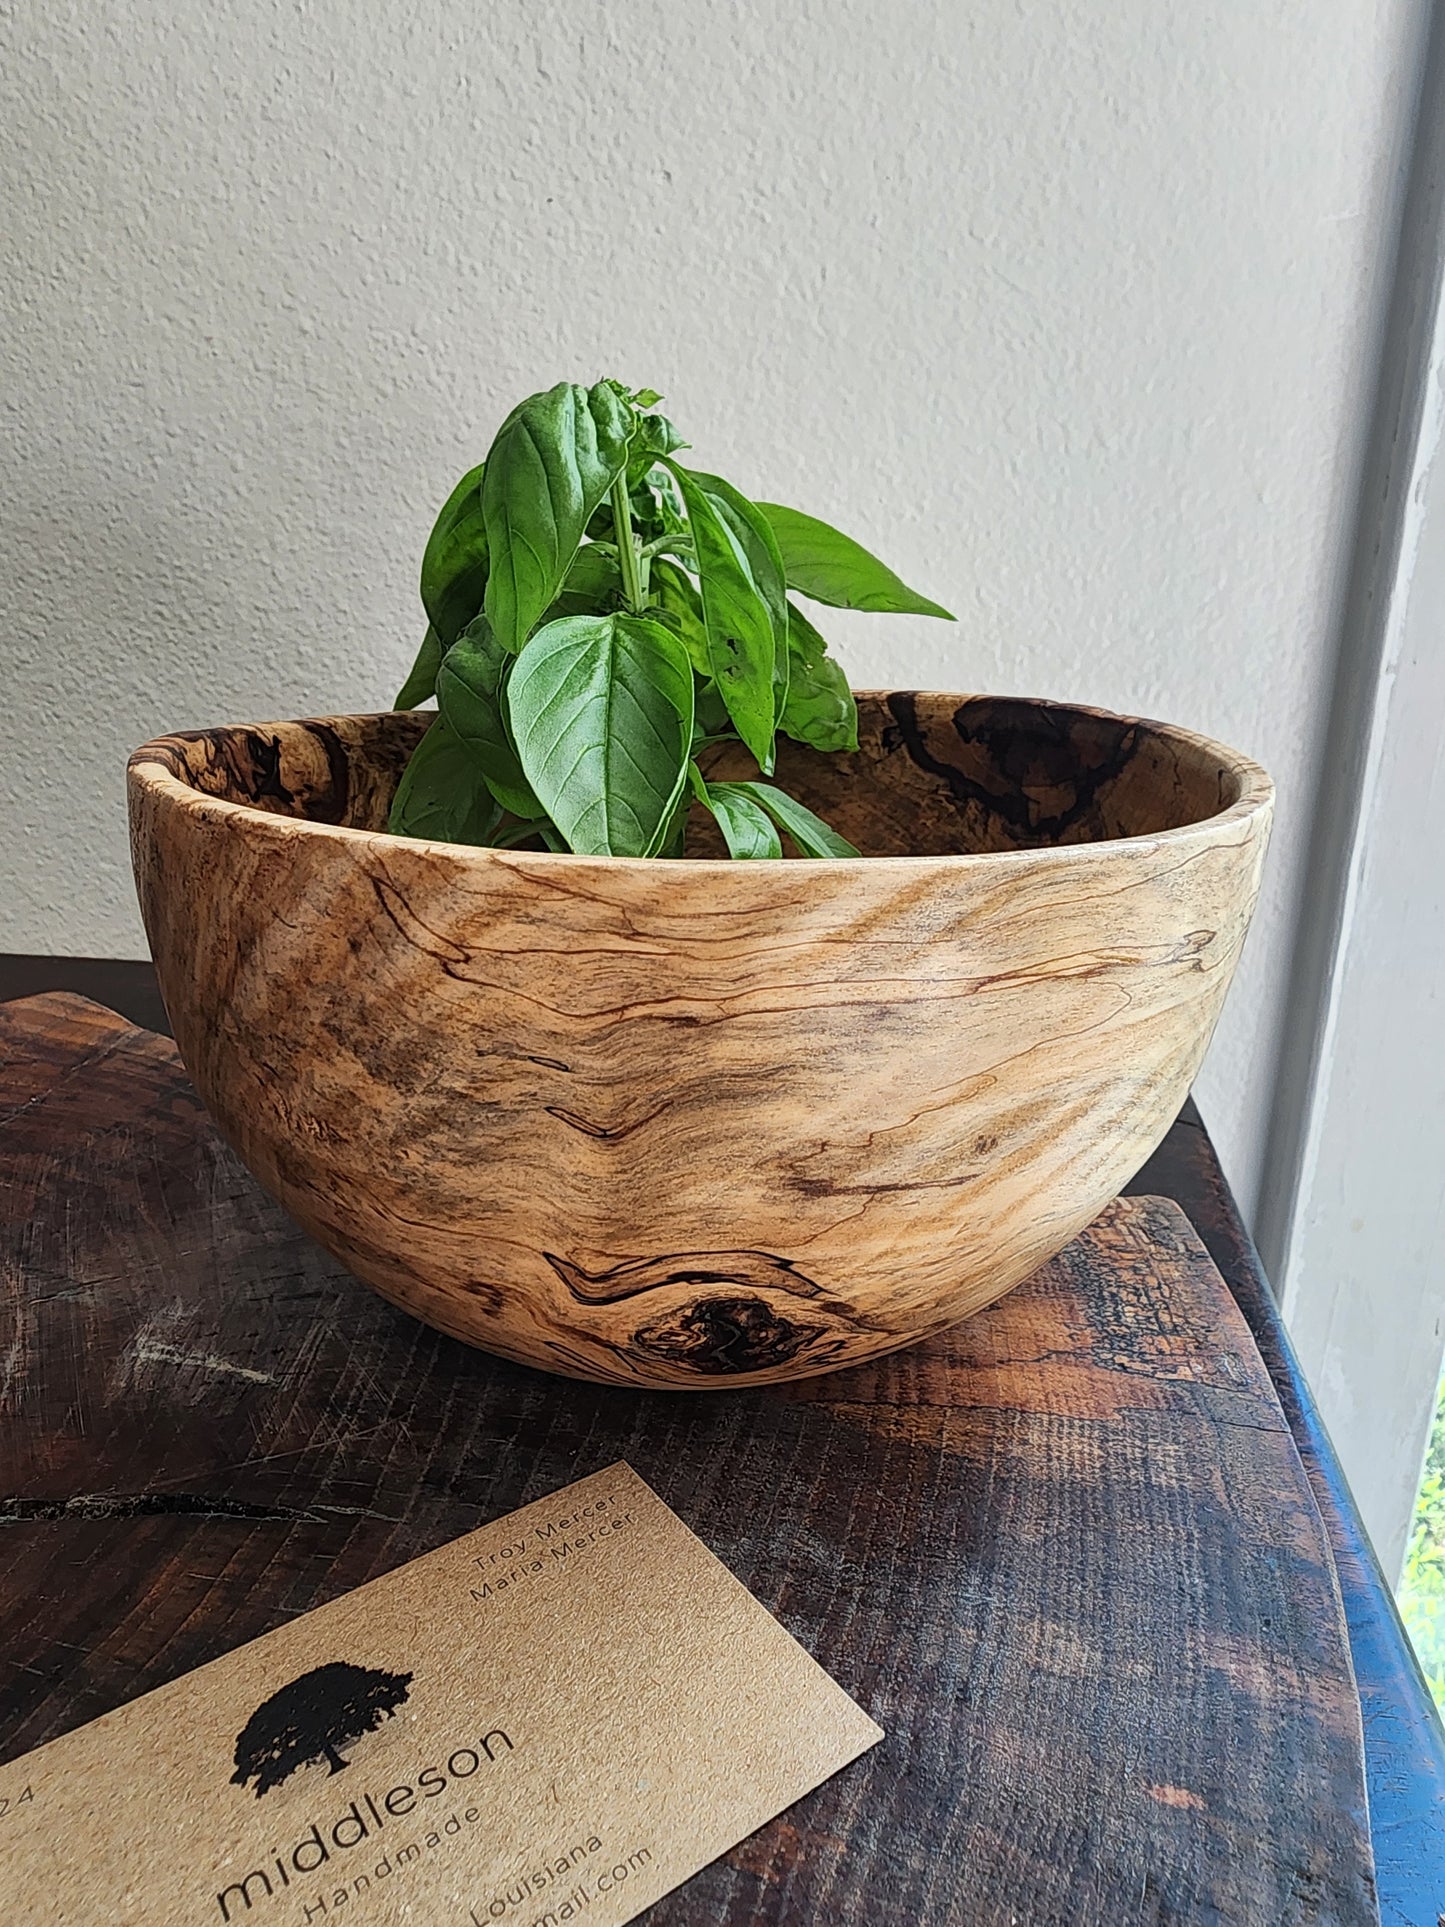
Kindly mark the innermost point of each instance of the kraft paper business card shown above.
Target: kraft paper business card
(557, 1718)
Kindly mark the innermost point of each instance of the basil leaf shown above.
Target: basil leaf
(593, 585)
(441, 793)
(741, 640)
(678, 601)
(710, 713)
(831, 567)
(470, 696)
(601, 712)
(652, 494)
(820, 709)
(672, 841)
(653, 436)
(746, 827)
(421, 681)
(809, 832)
(554, 459)
(594, 572)
(753, 534)
(454, 566)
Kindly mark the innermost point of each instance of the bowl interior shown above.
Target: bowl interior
(932, 775)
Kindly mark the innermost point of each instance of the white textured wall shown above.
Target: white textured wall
(1069, 309)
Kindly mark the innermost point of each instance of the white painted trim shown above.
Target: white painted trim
(1350, 1217)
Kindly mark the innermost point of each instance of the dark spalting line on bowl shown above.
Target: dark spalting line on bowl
(413, 930)
(487, 1298)
(333, 807)
(812, 1187)
(236, 765)
(257, 772)
(752, 1270)
(1027, 745)
(717, 1336)
(610, 1133)
(246, 766)
(258, 777)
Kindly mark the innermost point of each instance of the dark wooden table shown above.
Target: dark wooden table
(1405, 1753)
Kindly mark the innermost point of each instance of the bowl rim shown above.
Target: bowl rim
(148, 771)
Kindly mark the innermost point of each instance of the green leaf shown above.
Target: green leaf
(741, 640)
(678, 600)
(594, 572)
(454, 566)
(674, 833)
(753, 534)
(652, 437)
(820, 709)
(441, 793)
(593, 585)
(710, 713)
(601, 712)
(470, 695)
(421, 681)
(809, 832)
(511, 835)
(554, 459)
(831, 567)
(657, 507)
(747, 829)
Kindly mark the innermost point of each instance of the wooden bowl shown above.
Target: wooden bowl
(702, 1123)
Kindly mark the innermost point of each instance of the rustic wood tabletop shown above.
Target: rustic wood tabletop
(209, 1427)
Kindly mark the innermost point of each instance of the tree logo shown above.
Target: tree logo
(312, 1719)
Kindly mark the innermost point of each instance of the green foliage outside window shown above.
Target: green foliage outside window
(1422, 1589)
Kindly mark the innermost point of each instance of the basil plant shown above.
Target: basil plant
(599, 614)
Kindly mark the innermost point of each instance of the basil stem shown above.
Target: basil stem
(626, 545)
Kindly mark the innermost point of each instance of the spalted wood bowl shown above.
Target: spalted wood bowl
(703, 1123)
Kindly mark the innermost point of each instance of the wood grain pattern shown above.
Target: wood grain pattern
(695, 1123)
(1064, 1553)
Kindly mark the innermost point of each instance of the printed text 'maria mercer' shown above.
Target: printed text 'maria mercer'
(557, 1546)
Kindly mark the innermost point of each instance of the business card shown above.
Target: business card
(558, 1718)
